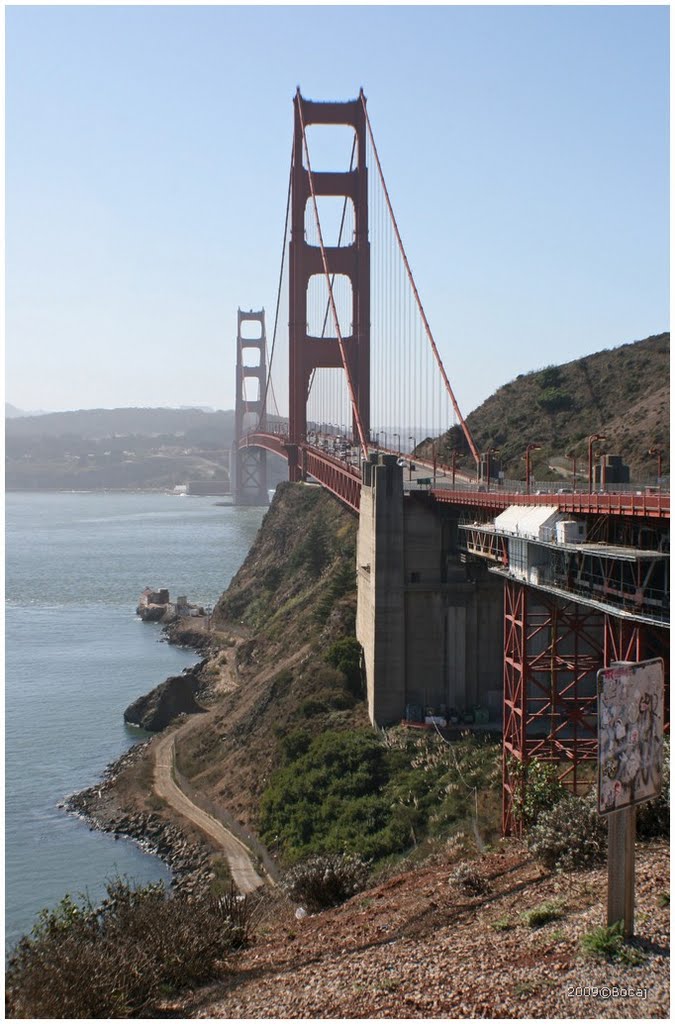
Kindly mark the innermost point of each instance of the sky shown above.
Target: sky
(147, 157)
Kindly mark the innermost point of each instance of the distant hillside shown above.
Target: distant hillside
(12, 411)
(101, 423)
(120, 449)
(623, 393)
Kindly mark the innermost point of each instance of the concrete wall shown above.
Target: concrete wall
(380, 617)
(431, 633)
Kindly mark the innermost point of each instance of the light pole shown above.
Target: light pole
(574, 471)
(658, 452)
(399, 443)
(591, 441)
(488, 453)
(454, 466)
(530, 448)
(412, 452)
(433, 455)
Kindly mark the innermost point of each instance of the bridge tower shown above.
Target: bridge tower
(248, 465)
(307, 353)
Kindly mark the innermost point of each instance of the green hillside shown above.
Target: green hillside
(623, 393)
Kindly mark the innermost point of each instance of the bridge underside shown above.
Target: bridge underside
(553, 650)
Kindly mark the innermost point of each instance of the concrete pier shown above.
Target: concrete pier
(431, 627)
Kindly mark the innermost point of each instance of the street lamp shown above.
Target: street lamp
(454, 466)
(569, 455)
(591, 441)
(488, 453)
(658, 452)
(399, 443)
(530, 448)
(412, 452)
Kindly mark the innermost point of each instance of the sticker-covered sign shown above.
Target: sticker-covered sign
(630, 734)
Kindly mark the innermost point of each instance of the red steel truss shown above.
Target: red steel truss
(552, 652)
(647, 506)
(338, 477)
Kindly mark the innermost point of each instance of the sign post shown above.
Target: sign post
(630, 762)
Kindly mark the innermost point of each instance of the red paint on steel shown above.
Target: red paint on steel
(625, 504)
(306, 353)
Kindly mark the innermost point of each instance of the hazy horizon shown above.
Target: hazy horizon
(525, 150)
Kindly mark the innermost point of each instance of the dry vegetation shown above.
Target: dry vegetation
(623, 393)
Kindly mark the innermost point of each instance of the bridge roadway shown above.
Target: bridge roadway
(343, 479)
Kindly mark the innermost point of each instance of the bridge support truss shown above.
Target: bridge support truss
(248, 465)
(553, 650)
(307, 353)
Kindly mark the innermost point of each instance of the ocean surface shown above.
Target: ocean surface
(77, 655)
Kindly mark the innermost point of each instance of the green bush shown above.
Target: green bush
(607, 943)
(555, 400)
(354, 792)
(544, 914)
(326, 881)
(346, 656)
(570, 835)
(119, 959)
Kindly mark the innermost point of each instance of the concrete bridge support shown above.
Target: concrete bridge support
(430, 627)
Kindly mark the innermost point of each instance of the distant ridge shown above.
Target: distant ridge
(623, 393)
(100, 423)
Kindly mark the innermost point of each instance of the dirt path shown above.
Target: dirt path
(244, 875)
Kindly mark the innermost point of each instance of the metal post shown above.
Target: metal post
(621, 869)
(454, 466)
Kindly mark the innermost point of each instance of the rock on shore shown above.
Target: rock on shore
(189, 863)
(175, 696)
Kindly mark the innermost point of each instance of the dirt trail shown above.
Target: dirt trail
(244, 875)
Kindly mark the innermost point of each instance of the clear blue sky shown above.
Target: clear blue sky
(147, 157)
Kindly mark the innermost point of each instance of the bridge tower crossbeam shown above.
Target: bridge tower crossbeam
(248, 464)
(307, 353)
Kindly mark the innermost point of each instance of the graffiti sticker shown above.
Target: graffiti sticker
(630, 734)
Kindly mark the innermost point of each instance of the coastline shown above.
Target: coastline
(104, 811)
(106, 807)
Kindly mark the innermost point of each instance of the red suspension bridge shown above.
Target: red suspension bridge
(361, 371)
(362, 376)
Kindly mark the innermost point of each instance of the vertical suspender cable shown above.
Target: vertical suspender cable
(439, 361)
(268, 382)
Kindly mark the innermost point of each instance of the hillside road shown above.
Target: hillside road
(244, 875)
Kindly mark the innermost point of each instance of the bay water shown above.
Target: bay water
(77, 655)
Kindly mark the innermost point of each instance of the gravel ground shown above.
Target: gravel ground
(419, 946)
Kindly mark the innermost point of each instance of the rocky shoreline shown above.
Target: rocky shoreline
(188, 861)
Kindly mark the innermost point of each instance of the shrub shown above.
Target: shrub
(607, 943)
(346, 655)
(570, 835)
(543, 914)
(118, 959)
(470, 880)
(326, 881)
(555, 400)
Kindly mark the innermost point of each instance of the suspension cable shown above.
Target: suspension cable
(268, 381)
(343, 354)
(439, 361)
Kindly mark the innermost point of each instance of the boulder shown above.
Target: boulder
(175, 696)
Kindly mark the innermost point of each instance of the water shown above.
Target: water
(77, 655)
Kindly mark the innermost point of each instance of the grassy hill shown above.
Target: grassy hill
(623, 393)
